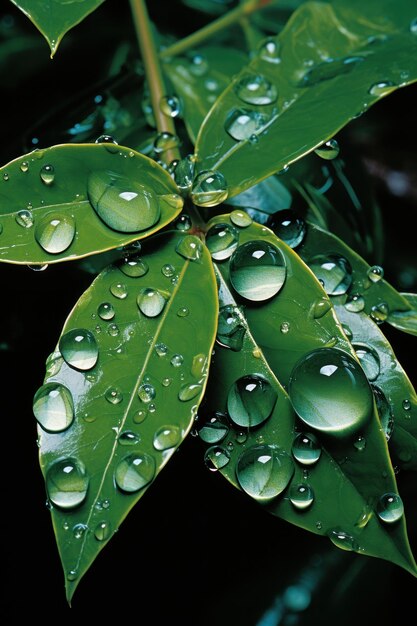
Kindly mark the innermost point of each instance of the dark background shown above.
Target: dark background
(194, 551)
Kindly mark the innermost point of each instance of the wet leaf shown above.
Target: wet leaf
(54, 18)
(122, 390)
(324, 69)
(70, 201)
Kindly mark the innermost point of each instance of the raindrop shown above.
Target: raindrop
(134, 472)
(199, 366)
(264, 471)
(375, 273)
(165, 141)
(72, 575)
(47, 174)
(55, 232)
(355, 303)
(177, 360)
(79, 348)
(301, 496)
(123, 204)
(113, 330)
(209, 189)
(24, 166)
(333, 271)
(343, 540)
(166, 437)
(329, 392)
(214, 429)
(102, 531)
(329, 69)
(382, 88)
(24, 218)
(385, 414)
(118, 290)
(140, 417)
(390, 508)
(379, 312)
(321, 307)
(6, 176)
(106, 139)
(241, 124)
(257, 270)
(251, 400)
(306, 449)
(222, 240)
(151, 302)
(106, 311)
(184, 172)
(113, 395)
(240, 218)
(269, 51)
(190, 247)
(360, 444)
(256, 89)
(406, 405)
(328, 150)
(161, 349)
(199, 65)
(216, 457)
(183, 223)
(288, 226)
(79, 530)
(134, 267)
(369, 360)
(170, 106)
(67, 483)
(183, 312)
(285, 327)
(53, 407)
(188, 391)
(231, 328)
(146, 392)
(168, 270)
(128, 438)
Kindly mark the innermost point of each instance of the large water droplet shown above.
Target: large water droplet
(301, 496)
(385, 413)
(47, 174)
(240, 218)
(216, 457)
(369, 360)
(55, 232)
(102, 531)
(257, 270)
(264, 471)
(242, 124)
(67, 483)
(53, 407)
(124, 205)
(118, 290)
(166, 437)
(214, 429)
(222, 240)
(190, 247)
(329, 392)
(151, 302)
(184, 172)
(106, 311)
(328, 150)
(251, 400)
(333, 271)
(256, 89)
(146, 392)
(134, 472)
(134, 267)
(355, 303)
(24, 218)
(231, 328)
(379, 312)
(306, 449)
(390, 508)
(199, 365)
(329, 69)
(79, 348)
(209, 189)
(343, 540)
(183, 223)
(288, 226)
(381, 88)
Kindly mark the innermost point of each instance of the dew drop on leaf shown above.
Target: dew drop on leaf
(79, 348)
(24, 166)
(107, 139)
(106, 311)
(333, 271)
(151, 302)
(385, 413)
(189, 391)
(241, 124)
(55, 232)
(214, 429)
(264, 471)
(184, 173)
(369, 360)
(177, 360)
(24, 218)
(134, 472)
(328, 150)
(216, 457)
(230, 328)
(381, 88)
(375, 273)
(222, 240)
(288, 226)
(269, 51)
(102, 531)
(320, 307)
(256, 89)
(301, 496)
(190, 247)
(165, 141)
(329, 69)
(250, 401)
(240, 218)
(166, 437)
(257, 270)
(170, 106)
(53, 407)
(390, 508)
(113, 395)
(146, 392)
(47, 174)
(355, 303)
(134, 267)
(343, 540)
(379, 312)
(128, 438)
(183, 223)
(118, 290)
(306, 449)
(67, 483)
(209, 189)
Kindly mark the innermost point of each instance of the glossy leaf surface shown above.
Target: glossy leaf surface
(69, 201)
(54, 18)
(122, 390)
(325, 68)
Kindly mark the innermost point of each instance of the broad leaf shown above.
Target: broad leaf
(54, 18)
(122, 390)
(325, 68)
(71, 201)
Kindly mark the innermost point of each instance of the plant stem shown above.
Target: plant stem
(229, 19)
(153, 72)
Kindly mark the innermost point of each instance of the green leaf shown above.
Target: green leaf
(317, 496)
(325, 68)
(54, 18)
(122, 390)
(405, 320)
(200, 79)
(70, 201)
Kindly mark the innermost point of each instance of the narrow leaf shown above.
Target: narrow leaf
(122, 390)
(70, 201)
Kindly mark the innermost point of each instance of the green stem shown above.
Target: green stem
(153, 73)
(223, 22)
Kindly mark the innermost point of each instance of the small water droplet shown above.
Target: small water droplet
(134, 267)
(264, 471)
(151, 302)
(165, 141)
(241, 124)
(251, 400)
(216, 457)
(79, 348)
(140, 417)
(183, 223)
(306, 449)
(231, 328)
(222, 240)
(24, 218)
(269, 51)
(390, 508)
(6, 176)
(385, 414)
(183, 312)
(128, 438)
(375, 273)
(166, 437)
(369, 360)
(134, 472)
(320, 307)
(199, 65)
(55, 232)
(166, 382)
(146, 392)
(177, 360)
(79, 530)
(288, 226)
(106, 311)
(47, 174)
(240, 218)
(333, 271)
(113, 330)
(301, 496)
(67, 483)
(285, 327)
(209, 189)
(118, 290)
(343, 540)
(257, 270)
(190, 247)
(168, 270)
(72, 575)
(256, 89)
(184, 172)
(38, 267)
(102, 531)
(53, 407)
(381, 88)
(214, 429)
(170, 106)
(319, 525)
(406, 405)
(24, 166)
(199, 366)
(328, 150)
(379, 312)
(189, 391)
(360, 444)
(355, 303)
(161, 349)
(113, 395)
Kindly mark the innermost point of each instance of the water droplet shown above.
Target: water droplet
(6, 176)
(140, 417)
(390, 508)
(216, 457)
(379, 312)
(134, 267)
(107, 139)
(381, 88)
(24, 166)
(413, 26)
(188, 391)
(151, 302)
(256, 89)
(199, 65)
(102, 531)
(161, 349)
(134, 472)
(113, 330)
(251, 400)
(199, 366)
(333, 271)
(165, 141)
(67, 483)
(306, 449)
(343, 540)
(113, 395)
(72, 574)
(79, 348)
(177, 360)
(321, 307)
(166, 437)
(170, 106)
(257, 270)
(106, 311)
(375, 273)
(24, 218)
(288, 226)
(190, 247)
(146, 392)
(214, 429)
(328, 150)
(241, 124)
(47, 174)
(231, 328)
(301, 496)
(355, 303)
(209, 189)
(79, 530)
(184, 172)
(285, 327)
(269, 51)
(329, 69)
(123, 204)
(240, 218)
(406, 405)
(222, 240)
(53, 407)
(319, 525)
(329, 392)
(264, 471)
(183, 312)
(118, 290)
(369, 360)
(385, 414)
(128, 438)
(55, 232)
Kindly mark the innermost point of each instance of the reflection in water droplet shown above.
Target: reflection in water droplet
(241, 124)
(301, 496)
(369, 360)
(355, 303)
(288, 226)
(118, 290)
(177, 360)
(24, 166)
(53, 407)
(134, 472)
(113, 395)
(168, 270)
(328, 150)
(231, 327)
(199, 65)
(67, 483)
(343, 540)
(55, 232)
(321, 307)
(47, 174)
(106, 311)
(264, 471)
(306, 449)
(209, 189)
(406, 405)
(134, 267)
(216, 457)
(190, 247)
(140, 417)
(184, 172)
(269, 51)
(170, 106)
(128, 438)
(161, 349)
(382, 88)
(199, 366)
(251, 400)
(222, 240)
(188, 391)
(285, 327)
(333, 271)
(255, 89)
(106, 139)
(123, 204)
(379, 312)
(166, 437)
(214, 429)
(165, 141)
(72, 575)
(257, 270)
(390, 508)
(24, 218)
(102, 531)
(240, 218)
(151, 302)
(385, 413)
(79, 530)
(329, 392)
(79, 348)
(113, 330)
(375, 273)
(183, 312)
(146, 392)
(183, 223)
